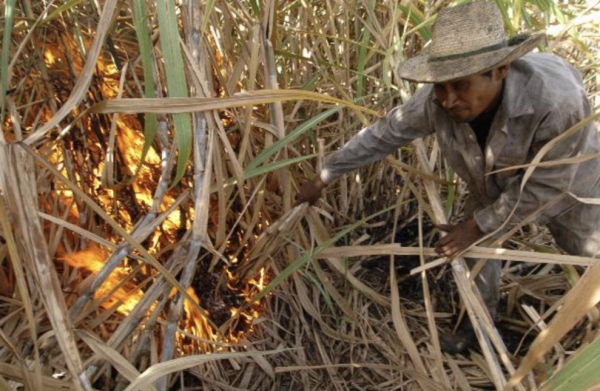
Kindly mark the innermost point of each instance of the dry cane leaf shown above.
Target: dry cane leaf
(120, 363)
(84, 79)
(578, 301)
(179, 364)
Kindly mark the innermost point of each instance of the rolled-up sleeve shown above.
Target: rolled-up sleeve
(399, 127)
(547, 185)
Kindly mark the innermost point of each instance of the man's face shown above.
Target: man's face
(467, 98)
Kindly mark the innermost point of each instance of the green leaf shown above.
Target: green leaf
(580, 372)
(257, 171)
(304, 127)
(255, 8)
(140, 22)
(176, 81)
(60, 9)
(6, 44)
(207, 11)
(451, 192)
(417, 18)
(362, 59)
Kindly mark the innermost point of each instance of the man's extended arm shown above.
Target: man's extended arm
(400, 126)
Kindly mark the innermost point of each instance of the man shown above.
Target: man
(492, 105)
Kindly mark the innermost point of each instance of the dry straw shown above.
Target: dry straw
(324, 296)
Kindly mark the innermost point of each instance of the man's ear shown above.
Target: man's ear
(502, 72)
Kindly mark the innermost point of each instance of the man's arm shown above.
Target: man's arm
(400, 126)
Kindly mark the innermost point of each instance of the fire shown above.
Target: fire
(216, 315)
(49, 57)
(117, 290)
(120, 292)
(260, 284)
(197, 330)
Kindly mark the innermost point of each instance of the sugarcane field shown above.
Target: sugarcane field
(304, 195)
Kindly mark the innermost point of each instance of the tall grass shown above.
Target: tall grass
(257, 93)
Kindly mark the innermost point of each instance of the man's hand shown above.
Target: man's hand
(310, 191)
(459, 239)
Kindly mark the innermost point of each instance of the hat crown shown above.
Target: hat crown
(467, 29)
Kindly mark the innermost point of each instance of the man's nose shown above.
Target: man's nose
(449, 99)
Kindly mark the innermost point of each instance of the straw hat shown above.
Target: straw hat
(466, 40)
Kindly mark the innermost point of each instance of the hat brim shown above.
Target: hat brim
(420, 69)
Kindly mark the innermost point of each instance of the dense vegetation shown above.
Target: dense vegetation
(150, 155)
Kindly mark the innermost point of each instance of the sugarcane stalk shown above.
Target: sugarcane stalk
(139, 233)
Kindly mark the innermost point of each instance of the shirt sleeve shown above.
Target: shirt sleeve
(547, 185)
(399, 127)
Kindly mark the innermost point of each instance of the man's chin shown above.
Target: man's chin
(462, 116)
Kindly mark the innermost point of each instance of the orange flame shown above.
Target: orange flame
(123, 295)
(114, 291)
(120, 291)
